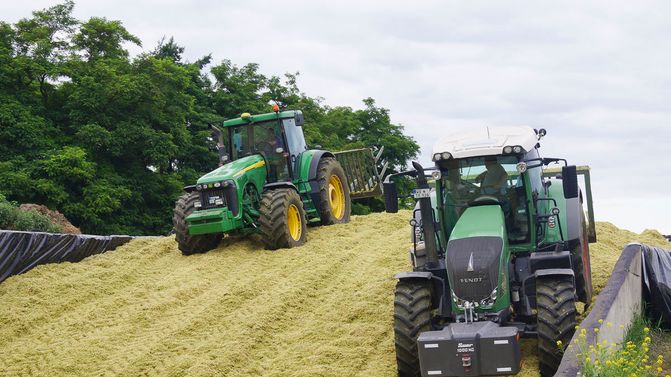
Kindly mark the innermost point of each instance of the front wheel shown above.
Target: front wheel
(282, 219)
(412, 316)
(186, 243)
(334, 200)
(556, 312)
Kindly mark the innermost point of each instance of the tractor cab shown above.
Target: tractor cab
(277, 137)
(493, 180)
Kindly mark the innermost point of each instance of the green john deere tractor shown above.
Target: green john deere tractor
(501, 251)
(269, 182)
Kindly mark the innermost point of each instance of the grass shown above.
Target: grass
(324, 309)
(661, 345)
(632, 358)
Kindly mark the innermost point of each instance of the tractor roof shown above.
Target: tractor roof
(261, 118)
(486, 141)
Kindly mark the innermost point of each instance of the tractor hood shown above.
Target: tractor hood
(234, 169)
(476, 254)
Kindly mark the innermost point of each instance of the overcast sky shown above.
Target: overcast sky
(597, 76)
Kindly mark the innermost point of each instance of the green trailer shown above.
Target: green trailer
(270, 182)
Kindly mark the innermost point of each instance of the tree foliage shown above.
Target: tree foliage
(110, 140)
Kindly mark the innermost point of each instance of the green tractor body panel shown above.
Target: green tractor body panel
(235, 175)
(262, 152)
(486, 221)
(249, 167)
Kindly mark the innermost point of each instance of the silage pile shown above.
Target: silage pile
(324, 309)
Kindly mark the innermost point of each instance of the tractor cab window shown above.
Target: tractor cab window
(476, 180)
(295, 139)
(269, 141)
(240, 142)
(265, 139)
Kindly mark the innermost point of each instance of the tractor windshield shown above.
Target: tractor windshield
(492, 179)
(264, 138)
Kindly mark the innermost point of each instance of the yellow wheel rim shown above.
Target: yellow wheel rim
(294, 222)
(336, 197)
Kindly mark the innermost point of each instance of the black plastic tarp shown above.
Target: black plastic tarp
(21, 251)
(657, 281)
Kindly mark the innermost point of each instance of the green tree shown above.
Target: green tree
(110, 140)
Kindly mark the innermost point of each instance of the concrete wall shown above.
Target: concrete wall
(617, 305)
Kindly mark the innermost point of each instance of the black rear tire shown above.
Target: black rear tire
(186, 243)
(277, 211)
(412, 316)
(555, 297)
(328, 168)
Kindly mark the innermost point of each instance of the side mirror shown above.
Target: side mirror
(300, 119)
(570, 182)
(390, 197)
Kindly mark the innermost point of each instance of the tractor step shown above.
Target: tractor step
(470, 349)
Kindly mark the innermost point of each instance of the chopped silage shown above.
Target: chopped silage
(324, 309)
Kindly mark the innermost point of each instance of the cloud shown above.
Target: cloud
(594, 74)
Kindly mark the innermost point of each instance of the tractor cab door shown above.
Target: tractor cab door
(268, 140)
(295, 141)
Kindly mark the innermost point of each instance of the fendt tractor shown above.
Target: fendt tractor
(269, 182)
(500, 252)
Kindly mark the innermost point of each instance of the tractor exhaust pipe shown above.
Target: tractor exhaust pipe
(428, 223)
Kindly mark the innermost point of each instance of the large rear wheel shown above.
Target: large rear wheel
(412, 316)
(335, 203)
(282, 219)
(188, 244)
(555, 298)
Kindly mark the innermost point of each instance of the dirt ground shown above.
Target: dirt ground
(324, 309)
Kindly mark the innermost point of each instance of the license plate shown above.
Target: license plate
(421, 193)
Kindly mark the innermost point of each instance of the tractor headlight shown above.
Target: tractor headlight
(436, 157)
(436, 175)
(489, 301)
(458, 301)
(199, 187)
(446, 155)
(517, 149)
(507, 149)
(225, 184)
(217, 184)
(521, 167)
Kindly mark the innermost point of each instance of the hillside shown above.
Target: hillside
(324, 309)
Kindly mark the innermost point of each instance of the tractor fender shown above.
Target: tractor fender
(414, 275)
(440, 298)
(276, 185)
(555, 272)
(314, 164)
(312, 175)
(189, 188)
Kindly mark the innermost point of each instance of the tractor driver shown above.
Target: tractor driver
(495, 177)
(273, 149)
